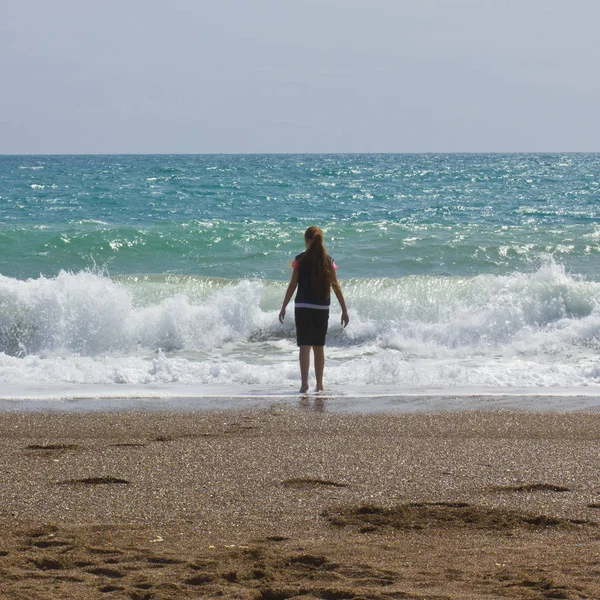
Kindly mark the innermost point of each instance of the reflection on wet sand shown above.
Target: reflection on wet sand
(317, 404)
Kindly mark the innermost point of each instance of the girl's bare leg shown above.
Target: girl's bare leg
(304, 357)
(319, 353)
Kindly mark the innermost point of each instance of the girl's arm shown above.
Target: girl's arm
(337, 288)
(288, 294)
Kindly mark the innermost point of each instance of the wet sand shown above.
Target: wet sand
(279, 503)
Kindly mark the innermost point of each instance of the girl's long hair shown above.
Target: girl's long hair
(322, 273)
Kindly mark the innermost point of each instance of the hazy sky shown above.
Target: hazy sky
(198, 76)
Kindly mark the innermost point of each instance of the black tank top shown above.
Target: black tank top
(306, 296)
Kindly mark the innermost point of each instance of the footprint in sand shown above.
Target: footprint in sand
(95, 481)
(531, 487)
(308, 483)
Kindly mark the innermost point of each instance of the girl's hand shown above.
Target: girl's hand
(282, 315)
(345, 319)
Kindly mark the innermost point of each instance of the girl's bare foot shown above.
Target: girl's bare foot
(303, 388)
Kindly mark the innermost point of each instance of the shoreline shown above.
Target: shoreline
(278, 502)
(383, 403)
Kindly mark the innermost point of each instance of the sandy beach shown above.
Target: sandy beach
(279, 503)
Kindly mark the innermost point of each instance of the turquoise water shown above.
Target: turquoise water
(243, 216)
(460, 271)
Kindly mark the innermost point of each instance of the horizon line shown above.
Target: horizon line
(469, 152)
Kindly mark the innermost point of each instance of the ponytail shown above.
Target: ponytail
(322, 273)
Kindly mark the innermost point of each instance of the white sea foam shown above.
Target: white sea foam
(537, 330)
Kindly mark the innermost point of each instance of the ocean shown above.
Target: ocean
(162, 276)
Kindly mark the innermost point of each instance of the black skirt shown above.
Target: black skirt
(311, 326)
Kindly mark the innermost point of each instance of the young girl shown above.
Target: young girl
(314, 276)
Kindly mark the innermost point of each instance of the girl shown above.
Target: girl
(314, 276)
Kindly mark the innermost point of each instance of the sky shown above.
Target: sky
(295, 76)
